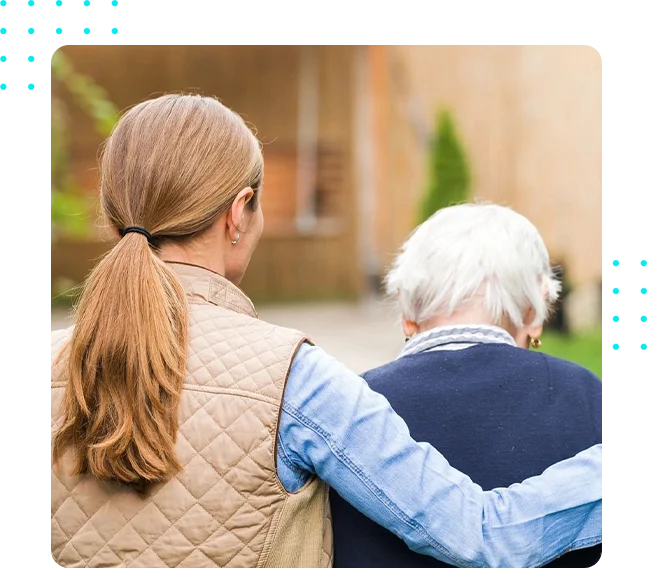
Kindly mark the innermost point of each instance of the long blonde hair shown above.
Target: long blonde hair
(172, 165)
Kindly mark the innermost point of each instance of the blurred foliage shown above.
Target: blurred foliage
(71, 214)
(65, 294)
(583, 348)
(558, 320)
(449, 178)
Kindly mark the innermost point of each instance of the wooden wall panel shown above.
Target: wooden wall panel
(279, 197)
(259, 82)
(530, 119)
(283, 269)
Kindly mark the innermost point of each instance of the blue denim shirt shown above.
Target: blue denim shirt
(333, 426)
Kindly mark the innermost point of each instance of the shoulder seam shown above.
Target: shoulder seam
(550, 377)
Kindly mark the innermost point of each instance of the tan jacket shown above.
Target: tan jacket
(227, 507)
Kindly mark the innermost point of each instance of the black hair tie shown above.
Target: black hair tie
(135, 229)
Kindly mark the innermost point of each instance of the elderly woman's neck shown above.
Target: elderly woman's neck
(469, 316)
(465, 317)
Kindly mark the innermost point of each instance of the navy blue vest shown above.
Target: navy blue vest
(498, 413)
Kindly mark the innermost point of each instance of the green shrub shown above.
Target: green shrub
(449, 176)
(71, 206)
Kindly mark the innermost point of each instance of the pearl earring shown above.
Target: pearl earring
(236, 240)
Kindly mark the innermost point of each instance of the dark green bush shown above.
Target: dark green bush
(449, 175)
(71, 206)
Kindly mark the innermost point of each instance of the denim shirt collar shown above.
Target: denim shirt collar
(456, 337)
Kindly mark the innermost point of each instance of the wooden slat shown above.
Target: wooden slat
(280, 187)
(330, 182)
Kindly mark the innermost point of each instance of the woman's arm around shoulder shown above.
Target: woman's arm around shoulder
(332, 425)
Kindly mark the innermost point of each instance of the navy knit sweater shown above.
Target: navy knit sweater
(498, 413)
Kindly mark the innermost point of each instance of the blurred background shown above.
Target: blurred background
(361, 144)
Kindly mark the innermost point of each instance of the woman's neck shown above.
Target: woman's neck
(476, 317)
(466, 317)
(172, 252)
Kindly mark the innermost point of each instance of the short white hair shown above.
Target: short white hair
(474, 254)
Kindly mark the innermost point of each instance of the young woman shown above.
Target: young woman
(188, 433)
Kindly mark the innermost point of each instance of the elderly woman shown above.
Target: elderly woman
(474, 286)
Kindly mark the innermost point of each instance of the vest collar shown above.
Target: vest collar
(209, 286)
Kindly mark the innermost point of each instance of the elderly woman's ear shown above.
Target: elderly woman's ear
(525, 336)
(410, 328)
(529, 331)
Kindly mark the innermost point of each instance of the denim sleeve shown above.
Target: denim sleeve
(332, 425)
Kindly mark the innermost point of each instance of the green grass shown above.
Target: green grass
(583, 348)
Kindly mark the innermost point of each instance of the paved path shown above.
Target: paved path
(362, 336)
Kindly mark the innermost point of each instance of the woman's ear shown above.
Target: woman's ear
(535, 331)
(410, 328)
(529, 319)
(528, 330)
(236, 221)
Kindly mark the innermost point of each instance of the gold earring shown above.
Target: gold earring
(236, 240)
(535, 342)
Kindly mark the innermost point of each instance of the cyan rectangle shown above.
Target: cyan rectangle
(624, 319)
(623, 264)
(24, 210)
(623, 288)
(619, 344)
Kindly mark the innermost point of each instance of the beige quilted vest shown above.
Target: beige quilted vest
(227, 508)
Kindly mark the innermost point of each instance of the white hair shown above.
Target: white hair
(474, 254)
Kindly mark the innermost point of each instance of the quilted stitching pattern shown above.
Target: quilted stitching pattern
(217, 511)
(328, 548)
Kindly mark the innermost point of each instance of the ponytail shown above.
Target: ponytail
(171, 166)
(125, 363)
